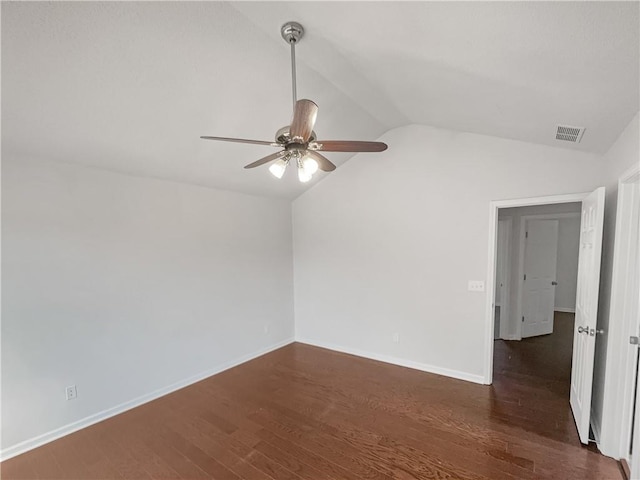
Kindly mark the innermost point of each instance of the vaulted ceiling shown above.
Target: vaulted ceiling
(130, 86)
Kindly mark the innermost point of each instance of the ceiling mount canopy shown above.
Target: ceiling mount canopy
(292, 32)
(298, 140)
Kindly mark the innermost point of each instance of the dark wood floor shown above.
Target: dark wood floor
(305, 412)
(537, 372)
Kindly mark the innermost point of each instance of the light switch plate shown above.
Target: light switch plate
(476, 286)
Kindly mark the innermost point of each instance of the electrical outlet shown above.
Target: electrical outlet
(396, 338)
(71, 392)
(476, 286)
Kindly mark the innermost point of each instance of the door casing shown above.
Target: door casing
(617, 407)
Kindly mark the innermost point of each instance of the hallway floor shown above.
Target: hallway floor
(533, 376)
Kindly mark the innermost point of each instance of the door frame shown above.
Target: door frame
(505, 303)
(615, 427)
(522, 241)
(494, 205)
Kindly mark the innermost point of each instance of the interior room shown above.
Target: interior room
(284, 240)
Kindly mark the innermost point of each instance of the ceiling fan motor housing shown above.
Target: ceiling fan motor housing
(283, 136)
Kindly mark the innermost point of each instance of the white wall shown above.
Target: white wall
(388, 242)
(624, 153)
(124, 286)
(567, 258)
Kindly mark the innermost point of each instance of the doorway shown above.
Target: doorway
(536, 267)
(583, 329)
(534, 353)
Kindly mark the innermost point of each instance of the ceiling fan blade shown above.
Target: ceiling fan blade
(304, 118)
(242, 140)
(267, 159)
(347, 146)
(324, 163)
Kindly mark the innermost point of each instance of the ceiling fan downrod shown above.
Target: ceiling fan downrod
(292, 32)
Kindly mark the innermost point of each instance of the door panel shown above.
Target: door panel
(538, 292)
(584, 340)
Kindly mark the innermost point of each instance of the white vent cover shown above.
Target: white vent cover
(569, 134)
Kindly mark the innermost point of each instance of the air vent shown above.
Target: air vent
(569, 134)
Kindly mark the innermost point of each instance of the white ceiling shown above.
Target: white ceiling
(131, 86)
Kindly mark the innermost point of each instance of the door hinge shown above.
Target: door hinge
(525, 276)
(523, 318)
(526, 234)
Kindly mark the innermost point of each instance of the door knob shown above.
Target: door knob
(583, 330)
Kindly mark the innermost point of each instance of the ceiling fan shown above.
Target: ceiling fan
(298, 141)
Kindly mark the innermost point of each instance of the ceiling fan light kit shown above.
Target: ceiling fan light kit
(298, 140)
(278, 167)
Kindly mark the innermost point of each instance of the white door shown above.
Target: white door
(538, 288)
(584, 335)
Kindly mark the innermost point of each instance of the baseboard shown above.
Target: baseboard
(564, 310)
(510, 337)
(52, 435)
(396, 361)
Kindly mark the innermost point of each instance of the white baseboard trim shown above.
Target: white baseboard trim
(396, 361)
(511, 337)
(564, 310)
(30, 444)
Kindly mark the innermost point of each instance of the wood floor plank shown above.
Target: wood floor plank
(20, 469)
(67, 457)
(194, 453)
(242, 447)
(153, 464)
(307, 456)
(185, 468)
(316, 437)
(97, 464)
(43, 464)
(215, 444)
(121, 460)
